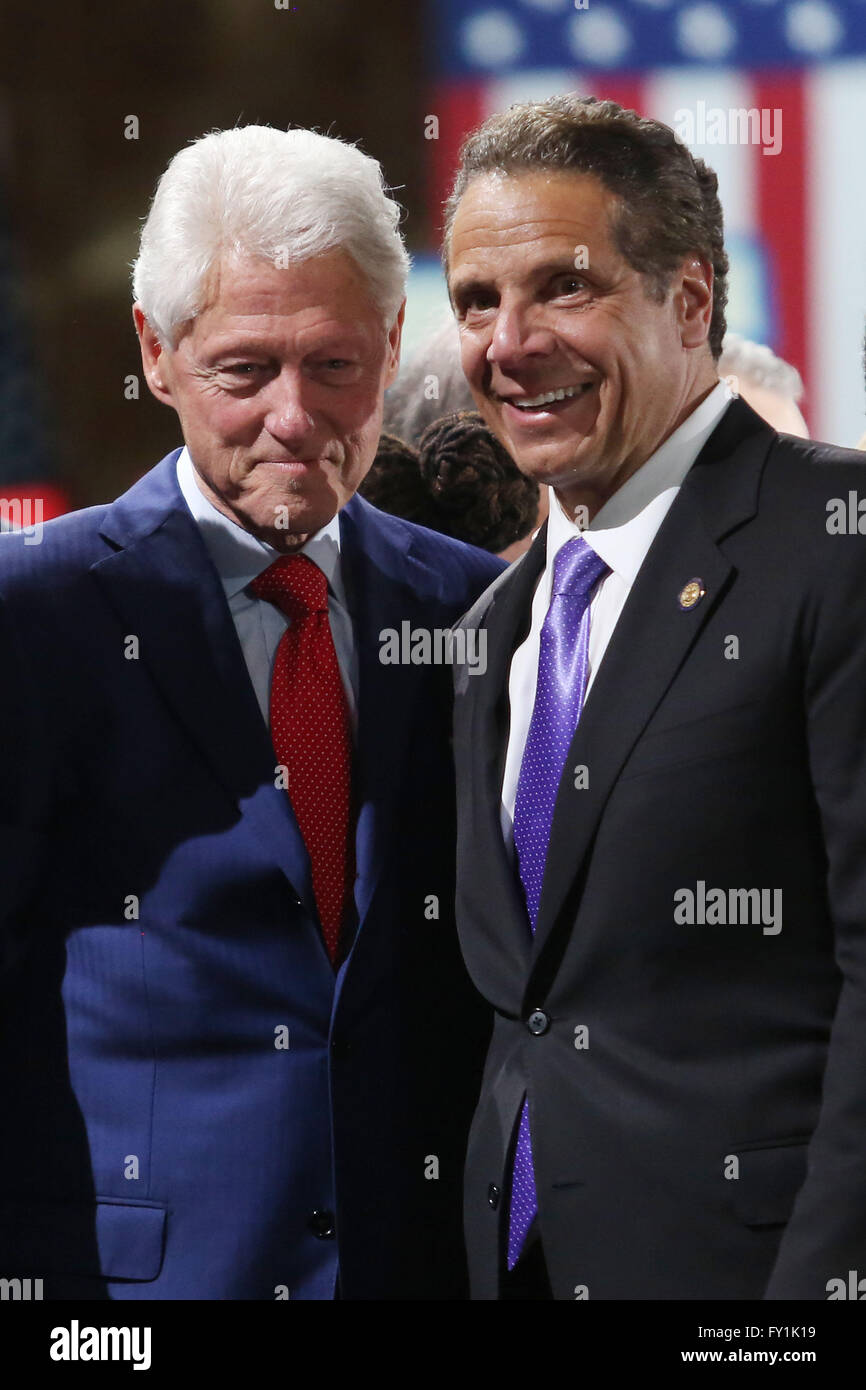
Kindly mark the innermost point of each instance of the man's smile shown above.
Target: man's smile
(559, 393)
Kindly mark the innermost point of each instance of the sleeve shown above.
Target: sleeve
(826, 1236)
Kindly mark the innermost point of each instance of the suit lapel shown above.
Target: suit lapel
(167, 593)
(486, 719)
(383, 580)
(650, 642)
(507, 623)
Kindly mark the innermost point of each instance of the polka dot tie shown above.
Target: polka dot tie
(311, 732)
(562, 673)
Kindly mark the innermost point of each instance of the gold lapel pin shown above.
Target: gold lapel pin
(691, 594)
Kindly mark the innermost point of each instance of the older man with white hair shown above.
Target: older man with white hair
(767, 383)
(228, 942)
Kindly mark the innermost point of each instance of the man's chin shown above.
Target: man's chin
(555, 470)
(285, 521)
(293, 510)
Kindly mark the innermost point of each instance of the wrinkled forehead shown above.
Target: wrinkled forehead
(252, 294)
(242, 281)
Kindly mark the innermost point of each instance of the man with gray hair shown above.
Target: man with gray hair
(227, 825)
(767, 383)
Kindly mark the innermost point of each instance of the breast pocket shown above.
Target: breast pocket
(723, 734)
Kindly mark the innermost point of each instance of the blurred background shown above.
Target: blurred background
(95, 98)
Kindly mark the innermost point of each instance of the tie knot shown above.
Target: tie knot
(576, 568)
(295, 584)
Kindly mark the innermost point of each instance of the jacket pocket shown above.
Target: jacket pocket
(723, 734)
(100, 1239)
(771, 1175)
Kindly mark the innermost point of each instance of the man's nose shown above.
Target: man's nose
(518, 333)
(290, 417)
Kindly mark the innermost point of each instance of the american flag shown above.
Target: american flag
(793, 191)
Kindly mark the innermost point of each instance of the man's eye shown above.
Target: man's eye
(475, 304)
(242, 368)
(336, 364)
(569, 284)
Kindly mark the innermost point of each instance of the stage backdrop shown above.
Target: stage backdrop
(771, 93)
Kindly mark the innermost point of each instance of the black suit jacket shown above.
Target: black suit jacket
(698, 1092)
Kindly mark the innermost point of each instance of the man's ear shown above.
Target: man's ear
(152, 357)
(694, 301)
(395, 336)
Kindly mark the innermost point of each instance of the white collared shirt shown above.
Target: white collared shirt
(621, 533)
(240, 557)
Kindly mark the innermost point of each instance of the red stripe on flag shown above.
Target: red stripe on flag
(782, 215)
(459, 108)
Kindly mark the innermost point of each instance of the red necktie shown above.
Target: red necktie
(311, 732)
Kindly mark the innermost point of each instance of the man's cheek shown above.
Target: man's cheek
(361, 415)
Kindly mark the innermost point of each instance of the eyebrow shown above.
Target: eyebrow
(540, 272)
(467, 287)
(241, 348)
(262, 347)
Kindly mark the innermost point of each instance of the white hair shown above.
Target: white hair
(278, 195)
(408, 411)
(760, 366)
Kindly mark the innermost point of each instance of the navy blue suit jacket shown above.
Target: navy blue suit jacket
(160, 940)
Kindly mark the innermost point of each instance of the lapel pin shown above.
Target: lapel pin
(691, 594)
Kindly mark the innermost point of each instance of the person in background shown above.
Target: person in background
(459, 481)
(766, 382)
(430, 384)
(396, 485)
(229, 962)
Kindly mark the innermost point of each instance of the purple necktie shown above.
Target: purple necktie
(562, 672)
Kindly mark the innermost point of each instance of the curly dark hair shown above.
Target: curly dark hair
(394, 483)
(667, 200)
(460, 481)
(482, 496)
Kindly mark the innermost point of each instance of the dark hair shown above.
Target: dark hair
(460, 482)
(394, 483)
(668, 201)
(482, 496)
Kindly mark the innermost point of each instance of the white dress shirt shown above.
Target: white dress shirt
(240, 557)
(621, 533)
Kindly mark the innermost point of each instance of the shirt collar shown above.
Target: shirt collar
(623, 530)
(239, 556)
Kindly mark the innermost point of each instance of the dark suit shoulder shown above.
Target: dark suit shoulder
(810, 496)
(68, 545)
(812, 459)
(455, 558)
(460, 571)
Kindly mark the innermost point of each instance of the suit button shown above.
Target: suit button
(538, 1022)
(493, 1195)
(322, 1224)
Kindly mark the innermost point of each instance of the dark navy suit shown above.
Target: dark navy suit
(160, 940)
